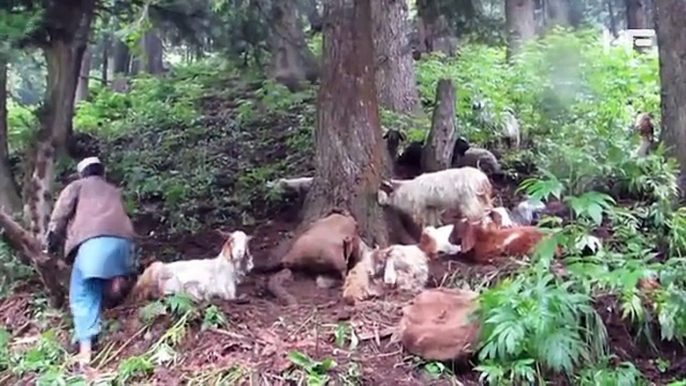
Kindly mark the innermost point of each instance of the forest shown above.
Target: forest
(432, 192)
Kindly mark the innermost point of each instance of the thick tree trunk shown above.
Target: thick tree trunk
(82, 86)
(349, 148)
(292, 60)
(671, 38)
(557, 12)
(438, 150)
(154, 52)
(434, 31)
(396, 82)
(521, 25)
(636, 17)
(10, 202)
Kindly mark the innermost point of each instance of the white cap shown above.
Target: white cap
(87, 162)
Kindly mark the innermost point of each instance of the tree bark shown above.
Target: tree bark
(349, 148)
(671, 38)
(154, 52)
(521, 25)
(636, 17)
(438, 150)
(434, 31)
(396, 82)
(10, 201)
(84, 73)
(292, 60)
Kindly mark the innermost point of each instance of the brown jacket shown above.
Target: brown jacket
(87, 208)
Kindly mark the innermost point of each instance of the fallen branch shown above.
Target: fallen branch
(52, 271)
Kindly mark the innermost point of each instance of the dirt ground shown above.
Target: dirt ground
(261, 331)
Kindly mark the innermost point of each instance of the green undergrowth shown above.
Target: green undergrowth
(196, 148)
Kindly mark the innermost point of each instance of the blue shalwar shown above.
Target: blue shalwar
(97, 259)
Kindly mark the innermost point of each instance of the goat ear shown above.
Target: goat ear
(385, 135)
(464, 232)
(223, 234)
(387, 187)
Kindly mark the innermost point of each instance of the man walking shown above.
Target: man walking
(90, 218)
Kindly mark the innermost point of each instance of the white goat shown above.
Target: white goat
(200, 279)
(523, 214)
(511, 128)
(407, 266)
(425, 197)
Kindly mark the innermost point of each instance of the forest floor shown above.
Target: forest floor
(253, 347)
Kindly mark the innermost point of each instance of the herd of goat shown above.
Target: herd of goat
(332, 246)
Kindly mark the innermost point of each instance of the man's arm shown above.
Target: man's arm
(63, 212)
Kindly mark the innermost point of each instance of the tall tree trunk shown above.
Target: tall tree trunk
(106, 48)
(349, 148)
(396, 82)
(292, 60)
(557, 12)
(153, 51)
(84, 73)
(10, 202)
(636, 14)
(521, 25)
(121, 62)
(438, 150)
(671, 38)
(613, 21)
(434, 31)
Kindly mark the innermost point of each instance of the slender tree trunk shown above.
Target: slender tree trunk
(636, 17)
(671, 38)
(438, 150)
(10, 202)
(106, 48)
(521, 25)
(122, 58)
(154, 52)
(613, 21)
(349, 148)
(82, 85)
(292, 60)
(396, 82)
(434, 31)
